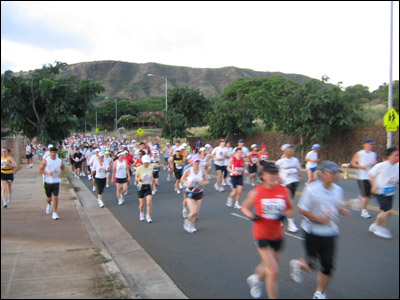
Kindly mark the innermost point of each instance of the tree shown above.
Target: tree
(190, 103)
(360, 92)
(173, 125)
(43, 103)
(127, 121)
(313, 110)
(236, 109)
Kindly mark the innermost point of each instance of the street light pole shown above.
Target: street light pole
(116, 129)
(166, 89)
(390, 94)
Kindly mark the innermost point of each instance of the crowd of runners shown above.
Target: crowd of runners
(105, 161)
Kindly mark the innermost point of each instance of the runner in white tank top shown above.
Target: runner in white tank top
(195, 178)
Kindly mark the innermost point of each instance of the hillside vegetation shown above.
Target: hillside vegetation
(130, 81)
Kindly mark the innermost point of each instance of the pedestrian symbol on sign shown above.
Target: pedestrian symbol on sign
(391, 120)
(140, 131)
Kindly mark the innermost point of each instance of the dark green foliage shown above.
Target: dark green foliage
(43, 104)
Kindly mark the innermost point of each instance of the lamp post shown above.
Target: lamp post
(166, 89)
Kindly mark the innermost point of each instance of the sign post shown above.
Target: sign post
(139, 132)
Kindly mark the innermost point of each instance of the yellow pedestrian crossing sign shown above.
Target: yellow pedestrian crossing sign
(140, 131)
(391, 120)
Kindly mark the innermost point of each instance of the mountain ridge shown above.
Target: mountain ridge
(130, 81)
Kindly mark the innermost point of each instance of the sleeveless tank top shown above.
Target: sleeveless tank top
(238, 166)
(120, 171)
(194, 179)
(6, 169)
(53, 166)
(269, 204)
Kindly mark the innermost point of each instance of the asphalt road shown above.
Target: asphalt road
(214, 262)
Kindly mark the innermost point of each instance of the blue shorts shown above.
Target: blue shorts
(236, 180)
(313, 169)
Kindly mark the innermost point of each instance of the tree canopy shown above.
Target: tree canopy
(43, 103)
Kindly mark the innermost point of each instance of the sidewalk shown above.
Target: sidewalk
(44, 258)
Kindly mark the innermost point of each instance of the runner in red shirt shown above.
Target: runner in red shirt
(272, 202)
(237, 169)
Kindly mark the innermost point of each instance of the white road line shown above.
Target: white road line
(239, 216)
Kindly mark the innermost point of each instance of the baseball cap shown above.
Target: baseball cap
(330, 166)
(264, 147)
(101, 153)
(316, 146)
(196, 157)
(369, 141)
(107, 152)
(284, 147)
(202, 149)
(146, 159)
(269, 167)
(254, 145)
(241, 141)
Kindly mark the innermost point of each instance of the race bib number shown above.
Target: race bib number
(273, 208)
(3, 163)
(254, 160)
(292, 173)
(389, 190)
(239, 171)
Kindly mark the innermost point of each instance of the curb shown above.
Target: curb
(145, 278)
(109, 267)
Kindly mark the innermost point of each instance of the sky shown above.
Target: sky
(347, 41)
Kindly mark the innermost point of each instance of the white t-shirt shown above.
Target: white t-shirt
(100, 169)
(311, 155)
(53, 166)
(289, 170)
(219, 153)
(366, 159)
(386, 177)
(229, 152)
(321, 201)
(245, 151)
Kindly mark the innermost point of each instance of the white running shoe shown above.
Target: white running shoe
(49, 208)
(319, 295)
(229, 202)
(141, 217)
(382, 232)
(94, 188)
(187, 225)
(237, 205)
(224, 182)
(101, 204)
(292, 226)
(107, 185)
(255, 286)
(168, 178)
(9, 199)
(148, 219)
(365, 214)
(372, 228)
(178, 191)
(55, 216)
(221, 189)
(295, 271)
(120, 201)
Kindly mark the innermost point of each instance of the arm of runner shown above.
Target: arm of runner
(247, 205)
